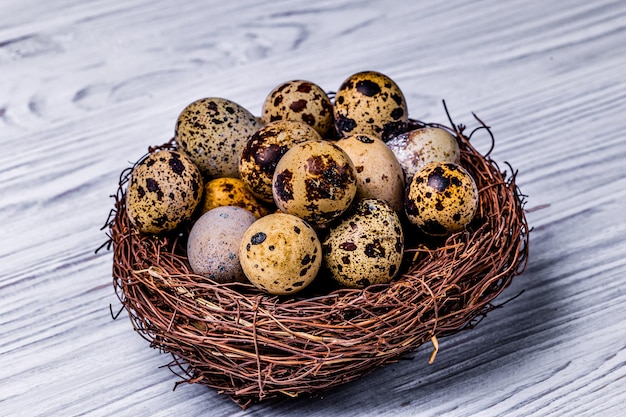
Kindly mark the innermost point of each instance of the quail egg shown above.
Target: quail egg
(280, 254)
(378, 172)
(265, 148)
(314, 180)
(212, 132)
(300, 101)
(370, 103)
(418, 147)
(214, 241)
(366, 247)
(231, 192)
(442, 198)
(163, 191)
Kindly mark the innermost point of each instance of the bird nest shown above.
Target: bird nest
(252, 346)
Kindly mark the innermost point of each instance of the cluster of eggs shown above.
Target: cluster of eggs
(310, 185)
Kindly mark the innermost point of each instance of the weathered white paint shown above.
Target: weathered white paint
(87, 86)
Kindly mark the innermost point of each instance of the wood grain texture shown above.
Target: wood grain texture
(87, 86)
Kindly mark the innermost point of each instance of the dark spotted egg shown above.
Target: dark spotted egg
(370, 103)
(280, 254)
(212, 132)
(366, 247)
(442, 198)
(231, 192)
(263, 151)
(314, 180)
(300, 101)
(164, 190)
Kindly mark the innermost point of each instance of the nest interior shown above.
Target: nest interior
(252, 346)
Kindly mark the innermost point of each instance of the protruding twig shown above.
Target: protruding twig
(435, 343)
(114, 316)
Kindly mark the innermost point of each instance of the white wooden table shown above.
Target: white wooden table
(87, 86)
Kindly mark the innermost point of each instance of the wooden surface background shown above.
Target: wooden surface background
(87, 86)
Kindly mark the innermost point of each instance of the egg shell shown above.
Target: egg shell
(300, 101)
(366, 247)
(232, 192)
(265, 148)
(164, 190)
(378, 172)
(212, 132)
(416, 148)
(214, 241)
(316, 181)
(370, 103)
(442, 198)
(280, 254)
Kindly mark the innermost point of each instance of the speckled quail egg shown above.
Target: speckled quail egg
(366, 247)
(378, 172)
(228, 191)
(300, 101)
(316, 181)
(280, 254)
(265, 148)
(370, 103)
(212, 132)
(214, 241)
(442, 198)
(164, 190)
(418, 147)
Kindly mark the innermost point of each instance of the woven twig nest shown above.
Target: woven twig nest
(252, 346)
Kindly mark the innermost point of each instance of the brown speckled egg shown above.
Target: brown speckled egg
(370, 103)
(378, 172)
(265, 148)
(418, 147)
(280, 254)
(442, 198)
(300, 101)
(214, 241)
(366, 247)
(164, 190)
(212, 132)
(231, 192)
(315, 181)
